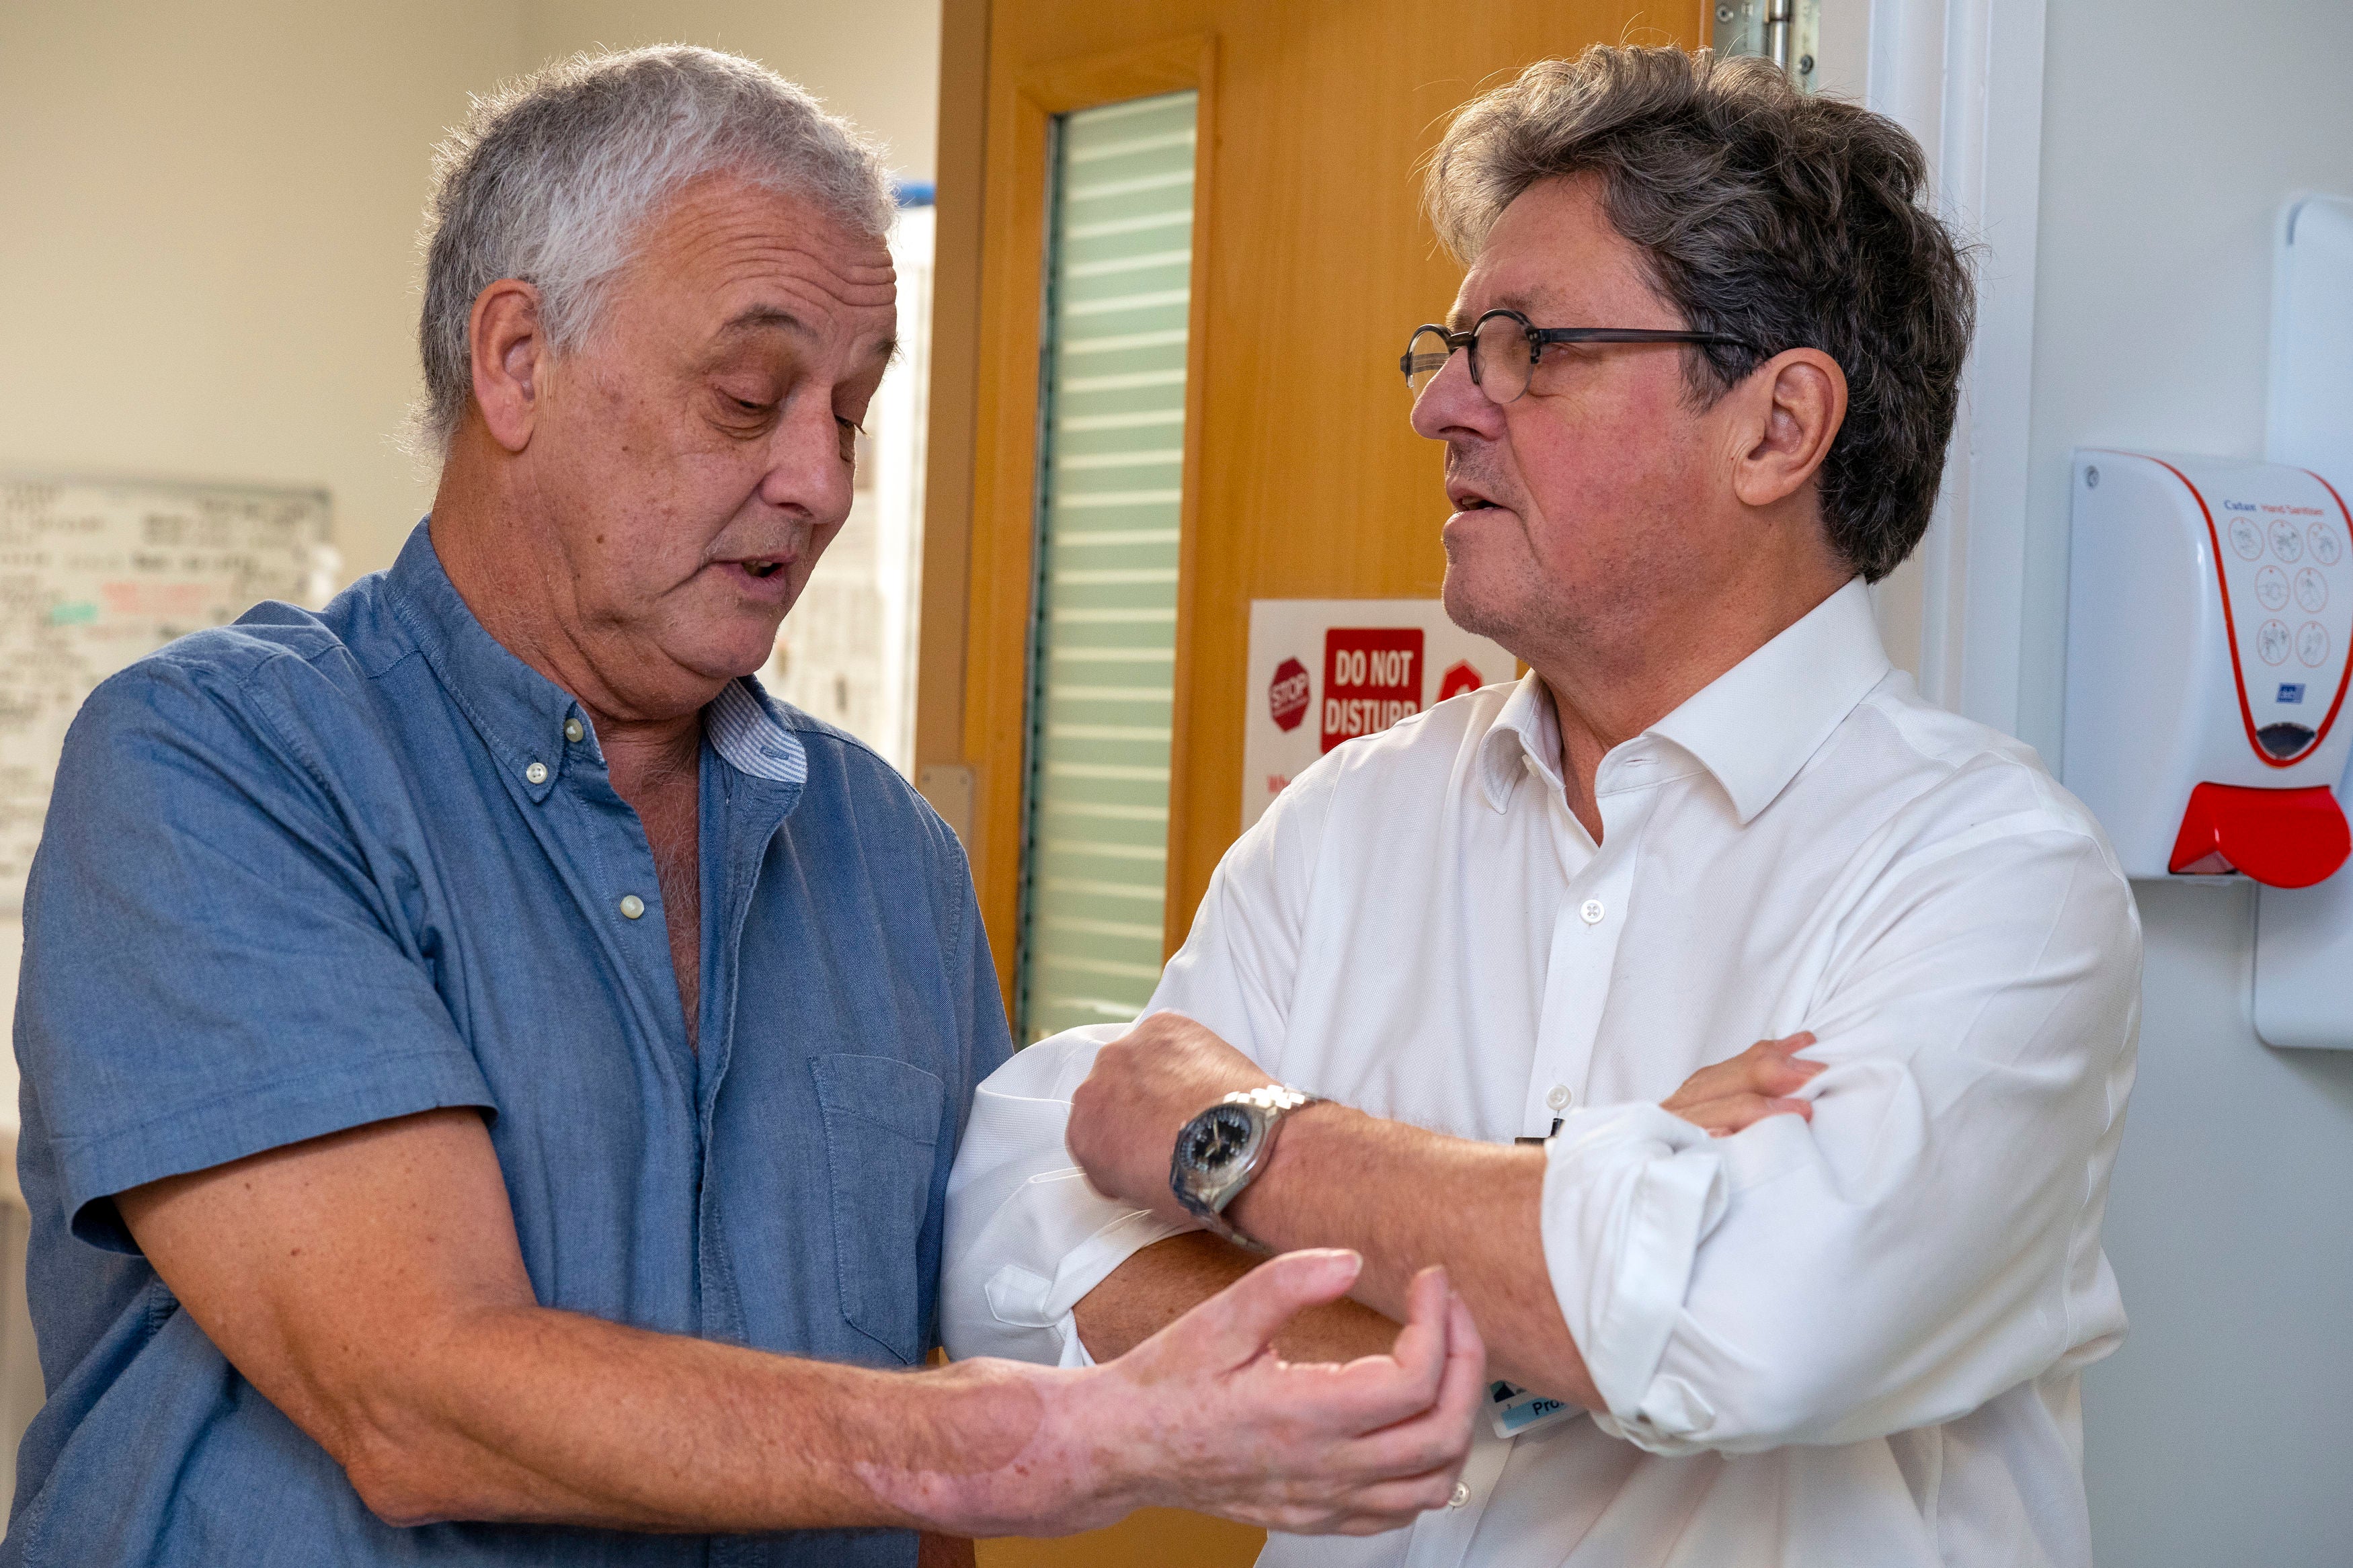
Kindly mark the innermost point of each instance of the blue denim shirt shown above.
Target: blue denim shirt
(303, 873)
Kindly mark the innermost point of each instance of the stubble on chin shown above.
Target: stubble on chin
(1511, 606)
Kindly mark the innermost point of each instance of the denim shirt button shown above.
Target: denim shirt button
(632, 906)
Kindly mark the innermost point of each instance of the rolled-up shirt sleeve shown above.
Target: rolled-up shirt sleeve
(1028, 1237)
(1906, 1255)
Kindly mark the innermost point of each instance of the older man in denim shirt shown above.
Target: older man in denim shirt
(490, 1074)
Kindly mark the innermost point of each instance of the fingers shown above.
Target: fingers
(1465, 1379)
(1438, 1436)
(1737, 1112)
(1410, 1468)
(1422, 1344)
(1437, 1353)
(1389, 1505)
(1378, 1392)
(1761, 1081)
(1236, 1324)
(1322, 1447)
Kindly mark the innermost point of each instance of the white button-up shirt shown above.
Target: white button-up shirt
(1849, 1340)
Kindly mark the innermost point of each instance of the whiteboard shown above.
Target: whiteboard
(96, 574)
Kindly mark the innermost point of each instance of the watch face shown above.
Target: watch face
(1220, 1137)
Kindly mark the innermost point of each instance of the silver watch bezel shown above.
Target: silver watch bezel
(1206, 1195)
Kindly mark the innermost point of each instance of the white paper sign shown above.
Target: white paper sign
(94, 575)
(1327, 670)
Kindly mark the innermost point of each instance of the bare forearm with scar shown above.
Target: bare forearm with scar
(369, 1284)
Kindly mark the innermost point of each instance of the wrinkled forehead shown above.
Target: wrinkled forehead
(728, 260)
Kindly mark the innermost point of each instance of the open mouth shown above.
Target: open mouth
(762, 568)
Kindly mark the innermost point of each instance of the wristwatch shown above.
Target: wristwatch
(1221, 1150)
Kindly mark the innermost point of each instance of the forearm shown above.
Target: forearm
(1407, 1198)
(1163, 1281)
(526, 1414)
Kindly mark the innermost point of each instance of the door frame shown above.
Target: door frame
(982, 532)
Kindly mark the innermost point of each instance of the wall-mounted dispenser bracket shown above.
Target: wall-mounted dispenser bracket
(2304, 936)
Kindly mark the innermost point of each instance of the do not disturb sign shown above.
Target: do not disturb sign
(1326, 671)
(1371, 678)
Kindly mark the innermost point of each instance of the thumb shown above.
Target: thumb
(1236, 1324)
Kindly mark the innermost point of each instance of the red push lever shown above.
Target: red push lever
(2281, 837)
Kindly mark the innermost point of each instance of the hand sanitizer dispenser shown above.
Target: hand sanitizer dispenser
(2209, 643)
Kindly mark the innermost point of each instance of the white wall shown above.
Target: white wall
(2222, 1432)
(206, 220)
(877, 61)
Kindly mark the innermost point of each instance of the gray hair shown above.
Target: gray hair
(1779, 220)
(552, 179)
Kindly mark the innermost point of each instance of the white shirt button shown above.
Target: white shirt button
(632, 906)
(536, 772)
(1590, 911)
(1558, 1098)
(1461, 1495)
(574, 731)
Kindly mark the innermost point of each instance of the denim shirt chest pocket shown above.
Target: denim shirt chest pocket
(881, 1133)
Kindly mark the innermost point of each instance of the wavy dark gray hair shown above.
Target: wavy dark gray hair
(1782, 220)
(552, 177)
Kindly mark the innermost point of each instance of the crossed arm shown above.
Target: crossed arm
(370, 1284)
(1473, 1207)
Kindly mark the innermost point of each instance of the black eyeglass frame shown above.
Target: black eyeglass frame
(1538, 337)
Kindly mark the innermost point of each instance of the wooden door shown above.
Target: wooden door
(1311, 264)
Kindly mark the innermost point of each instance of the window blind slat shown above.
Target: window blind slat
(1118, 282)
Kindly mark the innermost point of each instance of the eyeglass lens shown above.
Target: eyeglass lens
(1500, 358)
(1424, 358)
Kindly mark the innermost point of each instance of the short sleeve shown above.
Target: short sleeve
(211, 967)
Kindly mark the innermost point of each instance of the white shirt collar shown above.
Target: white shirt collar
(1752, 728)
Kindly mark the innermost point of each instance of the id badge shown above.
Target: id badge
(1513, 1410)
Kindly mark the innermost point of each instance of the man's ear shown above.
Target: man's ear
(509, 355)
(1793, 405)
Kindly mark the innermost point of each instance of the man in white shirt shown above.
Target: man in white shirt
(1825, 1299)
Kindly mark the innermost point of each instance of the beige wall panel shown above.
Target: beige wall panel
(208, 217)
(876, 61)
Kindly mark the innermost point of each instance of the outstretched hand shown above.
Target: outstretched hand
(1228, 1427)
(1204, 1414)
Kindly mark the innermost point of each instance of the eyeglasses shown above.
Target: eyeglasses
(1504, 344)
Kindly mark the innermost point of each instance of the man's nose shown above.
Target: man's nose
(1452, 405)
(806, 471)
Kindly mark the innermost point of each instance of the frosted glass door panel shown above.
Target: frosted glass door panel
(1103, 650)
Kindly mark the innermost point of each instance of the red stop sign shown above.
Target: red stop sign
(1371, 678)
(1286, 695)
(1461, 678)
